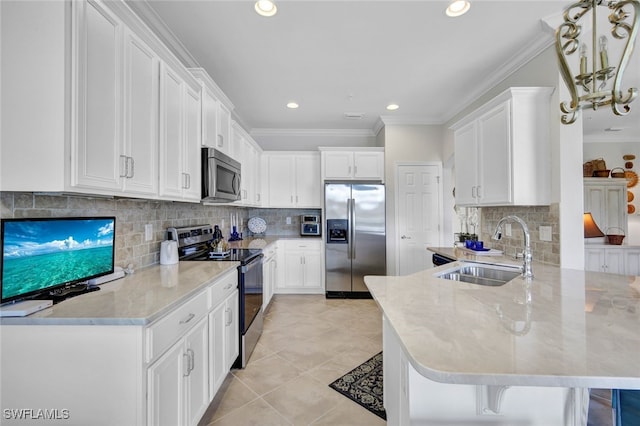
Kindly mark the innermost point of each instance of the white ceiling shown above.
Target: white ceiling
(357, 56)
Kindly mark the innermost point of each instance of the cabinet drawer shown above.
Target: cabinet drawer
(222, 288)
(302, 244)
(167, 330)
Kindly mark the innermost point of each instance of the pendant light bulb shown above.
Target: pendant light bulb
(458, 8)
(266, 8)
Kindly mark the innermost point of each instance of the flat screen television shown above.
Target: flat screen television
(43, 254)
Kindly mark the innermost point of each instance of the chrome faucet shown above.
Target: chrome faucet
(527, 273)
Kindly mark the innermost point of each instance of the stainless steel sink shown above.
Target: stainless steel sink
(490, 275)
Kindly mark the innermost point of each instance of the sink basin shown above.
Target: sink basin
(481, 274)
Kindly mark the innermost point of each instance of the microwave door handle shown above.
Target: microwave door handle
(236, 184)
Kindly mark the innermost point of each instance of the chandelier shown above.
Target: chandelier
(597, 83)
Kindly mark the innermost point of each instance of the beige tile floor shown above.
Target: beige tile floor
(307, 343)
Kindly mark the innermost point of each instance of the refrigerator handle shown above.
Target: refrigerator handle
(352, 228)
(349, 228)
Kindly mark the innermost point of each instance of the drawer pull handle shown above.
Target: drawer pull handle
(228, 286)
(187, 319)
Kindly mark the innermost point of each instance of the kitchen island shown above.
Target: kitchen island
(520, 353)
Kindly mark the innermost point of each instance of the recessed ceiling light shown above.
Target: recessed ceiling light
(266, 7)
(458, 8)
(292, 105)
(393, 107)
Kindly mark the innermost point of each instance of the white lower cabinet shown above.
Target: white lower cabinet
(223, 340)
(613, 259)
(302, 267)
(178, 381)
(632, 261)
(269, 274)
(163, 373)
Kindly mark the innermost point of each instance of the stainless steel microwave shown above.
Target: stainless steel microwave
(220, 177)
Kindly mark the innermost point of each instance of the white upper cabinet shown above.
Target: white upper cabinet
(180, 134)
(248, 153)
(502, 150)
(100, 133)
(97, 145)
(352, 164)
(141, 85)
(293, 179)
(216, 114)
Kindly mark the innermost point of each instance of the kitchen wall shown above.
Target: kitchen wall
(131, 217)
(405, 143)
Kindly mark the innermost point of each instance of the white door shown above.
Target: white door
(419, 215)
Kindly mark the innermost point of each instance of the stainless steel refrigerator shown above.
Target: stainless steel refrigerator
(355, 237)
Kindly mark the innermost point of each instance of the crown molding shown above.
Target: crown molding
(162, 31)
(524, 56)
(257, 132)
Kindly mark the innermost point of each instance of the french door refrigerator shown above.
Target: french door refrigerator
(355, 237)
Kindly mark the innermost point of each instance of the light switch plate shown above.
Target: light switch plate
(288, 220)
(545, 233)
(507, 229)
(148, 232)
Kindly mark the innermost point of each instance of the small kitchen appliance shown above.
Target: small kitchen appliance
(220, 177)
(168, 252)
(310, 224)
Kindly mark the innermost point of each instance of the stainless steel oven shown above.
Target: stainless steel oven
(220, 177)
(194, 245)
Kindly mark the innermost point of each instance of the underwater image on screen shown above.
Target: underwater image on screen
(39, 254)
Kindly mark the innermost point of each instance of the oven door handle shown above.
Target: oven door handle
(253, 263)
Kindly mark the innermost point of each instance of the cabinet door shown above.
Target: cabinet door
(223, 138)
(171, 133)
(232, 330)
(166, 388)
(494, 157)
(191, 147)
(616, 209)
(141, 117)
(466, 165)
(594, 259)
(307, 181)
(210, 121)
(98, 144)
(368, 165)
(197, 379)
(312, 270)
(614, 260)
(632, 261)
(338, 165)
(281, 184)
(217, 350)
(293, 269)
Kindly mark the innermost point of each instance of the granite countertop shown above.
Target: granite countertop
(136, 299)
(581, 329)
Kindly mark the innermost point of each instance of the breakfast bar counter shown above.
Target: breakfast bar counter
(567, 330)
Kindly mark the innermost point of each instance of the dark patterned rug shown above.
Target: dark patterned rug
(363, 385)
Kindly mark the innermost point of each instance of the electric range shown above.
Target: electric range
(195, 244)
